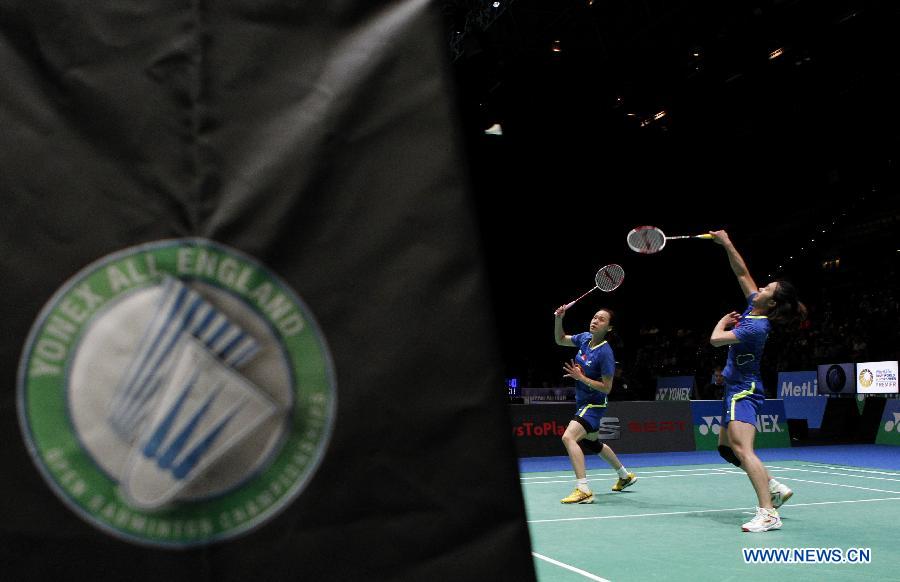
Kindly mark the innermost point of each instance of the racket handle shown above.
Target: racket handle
(568, 306)
(573, 302)
(706, 236)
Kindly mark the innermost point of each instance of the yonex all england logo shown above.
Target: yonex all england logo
(711, 424)
(176, 393)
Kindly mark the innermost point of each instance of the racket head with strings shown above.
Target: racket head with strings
(609, 277)
(650, 239)
(646, 240)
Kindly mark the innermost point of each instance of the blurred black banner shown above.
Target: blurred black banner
(292, 171)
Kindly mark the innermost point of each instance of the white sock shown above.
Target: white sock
(623, 472)
(582, 484)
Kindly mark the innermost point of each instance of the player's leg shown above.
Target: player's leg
(590, 417)
(779, 493)
(574, 433)
(741, 435)
(625, 479)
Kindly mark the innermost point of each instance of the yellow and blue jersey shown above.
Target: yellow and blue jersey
(595, 363)
(743, 363)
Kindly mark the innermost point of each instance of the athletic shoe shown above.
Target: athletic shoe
(626, 482)
(764, 520)
(578, 496)
(780, 494)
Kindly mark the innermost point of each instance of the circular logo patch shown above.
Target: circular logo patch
(866, 378)
(835, 378)
(176, 394)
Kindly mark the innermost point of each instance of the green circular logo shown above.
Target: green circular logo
(176, 393)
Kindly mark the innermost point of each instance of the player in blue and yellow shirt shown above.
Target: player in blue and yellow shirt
(746, 335)
(592, 369)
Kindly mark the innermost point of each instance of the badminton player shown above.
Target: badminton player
(592, 369)
(745, 334)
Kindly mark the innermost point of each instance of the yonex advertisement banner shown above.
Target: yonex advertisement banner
(799, 391)
(628, 427)
(771, 424)
(889, 429)
(218, 224)
(674, 387)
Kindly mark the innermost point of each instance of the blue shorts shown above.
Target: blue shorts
(589, 416)
(742, 402)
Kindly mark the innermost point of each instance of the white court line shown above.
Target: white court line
(742, 509)
(830, 473)
(568, 567)
(613, 473)
(893, 474)
(838, 485)
(597, 517)
(639, 476)
(716, 471)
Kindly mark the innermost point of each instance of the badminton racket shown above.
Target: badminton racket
(607, 279)
(650, 239)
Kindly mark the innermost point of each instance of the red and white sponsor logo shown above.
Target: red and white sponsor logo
(539, 429)
(657, 426)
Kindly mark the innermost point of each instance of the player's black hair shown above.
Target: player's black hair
(788, 309)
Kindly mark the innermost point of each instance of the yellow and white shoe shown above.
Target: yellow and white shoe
(578, 496)
(626, 482)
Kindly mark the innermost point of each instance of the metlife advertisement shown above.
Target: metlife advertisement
(800, 392)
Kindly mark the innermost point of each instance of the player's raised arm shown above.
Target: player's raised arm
(559, 335)
(746, 282)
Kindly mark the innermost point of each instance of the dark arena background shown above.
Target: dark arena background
(772, 120)
(280, 279)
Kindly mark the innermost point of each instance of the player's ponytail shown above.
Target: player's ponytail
(788, 310)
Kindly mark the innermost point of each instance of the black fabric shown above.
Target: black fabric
(587, 426)
(588, 446)
(316, 137)
(727, 453)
